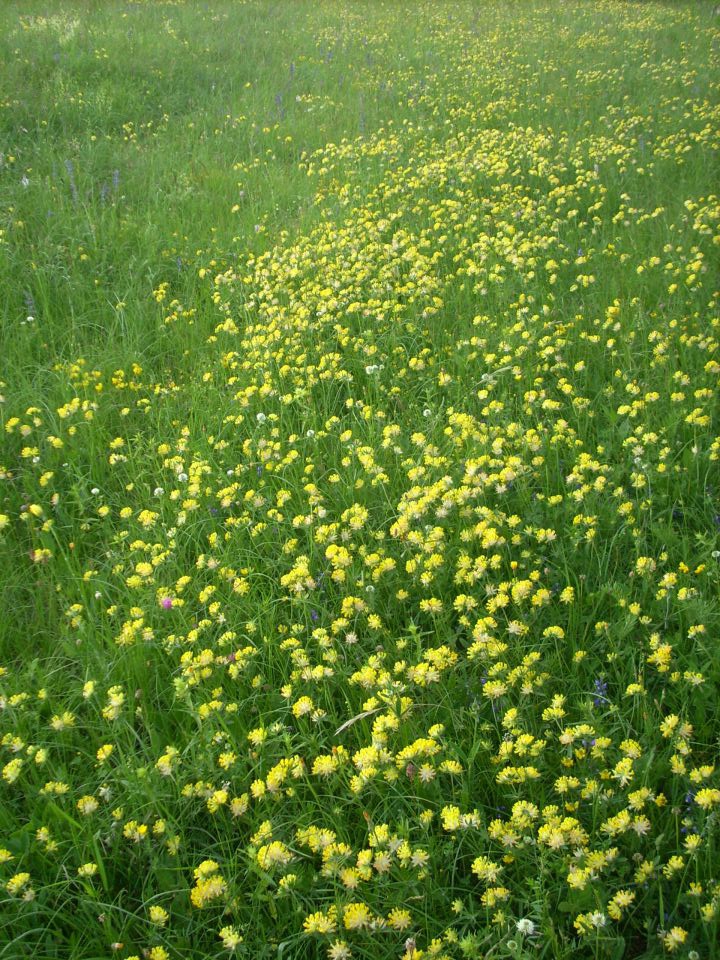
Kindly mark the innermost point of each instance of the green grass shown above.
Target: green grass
(359, 487)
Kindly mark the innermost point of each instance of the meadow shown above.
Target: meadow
(359, 480)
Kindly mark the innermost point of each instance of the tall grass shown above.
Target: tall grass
(359, 502)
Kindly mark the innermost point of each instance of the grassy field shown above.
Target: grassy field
(359, 480)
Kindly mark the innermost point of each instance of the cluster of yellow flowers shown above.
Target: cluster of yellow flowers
(397, 616)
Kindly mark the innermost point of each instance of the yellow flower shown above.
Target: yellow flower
(674, 939)
(17, 883)
(273, 855)
(356, 916)
(159, 916)
(207, 889)
(320, 923)
(87, 805)
(231, 938)
(450, 817)
(399, 919)
(485, 869)
(11, 770)
(620, 901)
(707, 797)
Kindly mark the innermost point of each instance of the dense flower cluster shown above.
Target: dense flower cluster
(389, 629)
